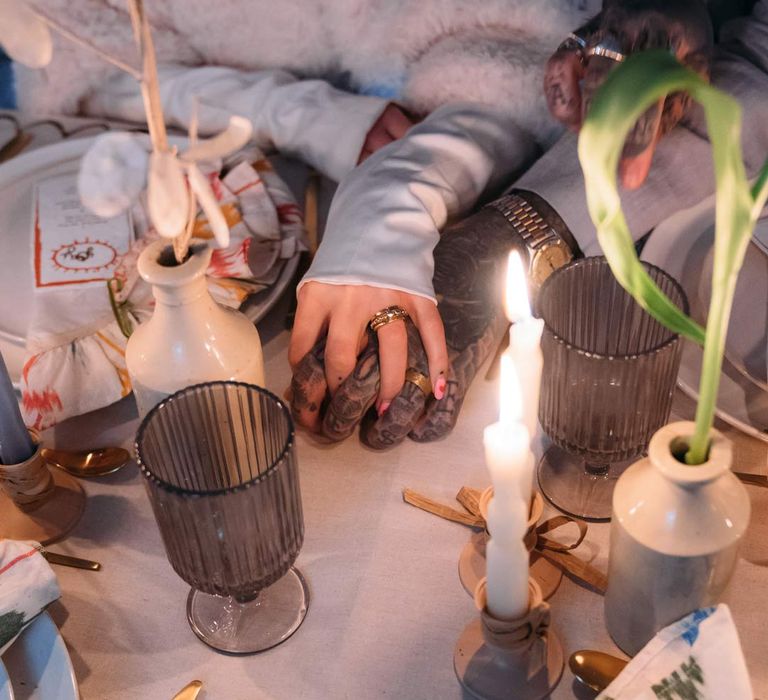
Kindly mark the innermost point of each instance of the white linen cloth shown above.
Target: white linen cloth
(27, 586)
(308, 119)
(75, 343)
(387, 213)
(698, 657)
(386, 608)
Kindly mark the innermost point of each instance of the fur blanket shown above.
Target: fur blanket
(422, 52)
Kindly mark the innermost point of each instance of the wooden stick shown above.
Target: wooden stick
(441, 510)
(74, 38)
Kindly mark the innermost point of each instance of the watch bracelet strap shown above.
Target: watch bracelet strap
(534, 220)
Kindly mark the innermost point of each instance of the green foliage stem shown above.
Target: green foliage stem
(633, 87)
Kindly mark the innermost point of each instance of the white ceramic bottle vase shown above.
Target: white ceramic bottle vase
(189, 338)
(675, 533)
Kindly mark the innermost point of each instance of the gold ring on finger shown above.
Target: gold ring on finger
(388, 315)
(420, 379)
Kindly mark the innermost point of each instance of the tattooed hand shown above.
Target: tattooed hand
(470, 263)
(470, 260)
(629, 26)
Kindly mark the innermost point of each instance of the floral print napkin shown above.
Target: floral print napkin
(27, 586)
(696, 658)
(76, 342)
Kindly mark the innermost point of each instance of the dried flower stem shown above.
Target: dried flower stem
(150, 86)
(74, 38)
(153, 107)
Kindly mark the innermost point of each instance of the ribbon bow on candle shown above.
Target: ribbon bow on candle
(556, 552)
(525, 636)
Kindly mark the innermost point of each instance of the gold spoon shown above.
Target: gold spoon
(88, 462)
(595, 669)
(189, 691)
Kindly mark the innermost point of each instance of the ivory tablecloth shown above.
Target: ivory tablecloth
(387, 606)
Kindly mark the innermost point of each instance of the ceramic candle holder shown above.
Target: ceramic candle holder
(472, 559)
(38, 502)
(500, 659)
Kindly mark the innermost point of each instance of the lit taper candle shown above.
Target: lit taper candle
(510, 462)
(524, 349)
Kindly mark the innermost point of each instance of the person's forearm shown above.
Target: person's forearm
(386, 216)
(309, 119)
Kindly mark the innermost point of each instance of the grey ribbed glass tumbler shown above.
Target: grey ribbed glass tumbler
(609, 376)
(219, 466)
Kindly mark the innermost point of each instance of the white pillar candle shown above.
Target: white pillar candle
(507, 443)
(510, 462)
(524, 350)
(506, 559)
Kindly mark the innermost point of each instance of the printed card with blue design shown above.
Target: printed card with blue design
(73, 246)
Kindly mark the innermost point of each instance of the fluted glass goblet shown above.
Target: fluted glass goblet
(219, 466)
(609, 376)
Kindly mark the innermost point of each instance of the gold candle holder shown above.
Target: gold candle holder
(472, 558)
(500, 659)
(37, 502)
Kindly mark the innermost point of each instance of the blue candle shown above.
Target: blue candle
(15, 443)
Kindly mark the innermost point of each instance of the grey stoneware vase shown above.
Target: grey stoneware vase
(675, 536)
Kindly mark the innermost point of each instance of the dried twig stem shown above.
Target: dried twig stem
(150, 86)
(74, 38)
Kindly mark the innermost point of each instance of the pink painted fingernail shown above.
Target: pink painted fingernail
(383, 406)
(440, 388)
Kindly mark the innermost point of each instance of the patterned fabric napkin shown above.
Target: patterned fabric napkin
(698, 657)
(27, 586)
(77, 336)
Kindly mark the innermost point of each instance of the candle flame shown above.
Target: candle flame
(511, 398)
(516, 302)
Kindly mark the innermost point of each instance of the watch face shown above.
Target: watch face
(548, 259)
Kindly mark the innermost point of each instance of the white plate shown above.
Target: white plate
(17, 179)
(682, 245)
(39, 665)
(6, 690)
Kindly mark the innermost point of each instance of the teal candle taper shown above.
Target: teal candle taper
(15, 443)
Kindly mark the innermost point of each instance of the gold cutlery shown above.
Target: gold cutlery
(66, 560)
(189, 691)
(595, 669)
(88, 463)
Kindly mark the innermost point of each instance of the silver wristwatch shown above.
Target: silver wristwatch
(547, 241)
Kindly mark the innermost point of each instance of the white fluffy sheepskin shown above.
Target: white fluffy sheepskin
(428, 51)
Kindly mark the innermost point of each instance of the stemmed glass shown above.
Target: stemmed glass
(222, 477)
(607, 386)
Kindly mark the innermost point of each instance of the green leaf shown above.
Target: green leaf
(629, 90)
